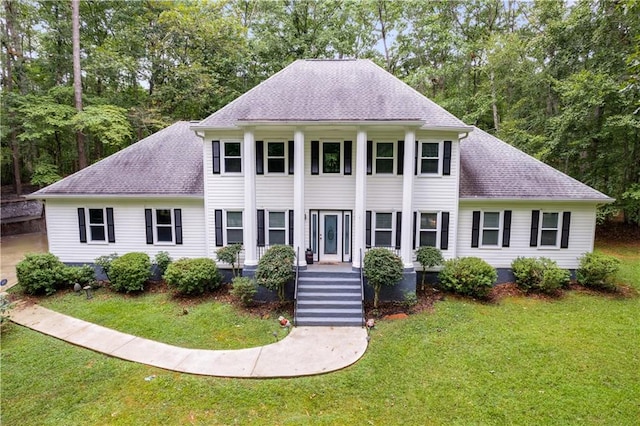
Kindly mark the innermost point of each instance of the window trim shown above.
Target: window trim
(268, 227)
(439, 158)
(171, 226)
(226, 227)
(558, 230)
(224, 157)
(340, 160)
(500, 228)
(437, 229)
(87, 214)
(285, 158)
(375, 229)
(393, 158)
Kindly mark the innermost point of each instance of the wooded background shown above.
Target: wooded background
(561, 81)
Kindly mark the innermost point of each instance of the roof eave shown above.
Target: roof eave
(606, 200)
(45, 196)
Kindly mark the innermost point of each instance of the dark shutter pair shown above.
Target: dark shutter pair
(315, 157)
(399, 159)
(177, 225)
(82, 225)
(444, 230)
(506, 229)
(446, 158)
(260, 157)
(535, 223)
(262, 227)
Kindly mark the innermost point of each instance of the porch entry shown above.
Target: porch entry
(330, 235)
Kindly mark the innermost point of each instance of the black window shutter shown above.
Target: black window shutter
(566, 225)
(291, 157)
(347, 157)
(218, 224)
(260, 220)
(315, 157)
(506, 228)
(111, 231)
(416, 155)
(82, 225)
(369, 157)
(367, 233)
(446, 166)
(415, 224)
(400, 157)
(398, 230)
(148, 220)
(177, 215)
(259, 157)
(475, 229)
(535, 219)
(444, 231)
(291, 227)
(215, 147)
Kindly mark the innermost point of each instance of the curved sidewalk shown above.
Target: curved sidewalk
(305, 351)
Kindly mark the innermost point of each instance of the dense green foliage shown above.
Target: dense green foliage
(275, 269)
(105, 262)
(598, 270)
(130, 272)
(44, 273)
(381, 267)
(163, 260)
(229, 254)
(244, 289)
(193, 276)
(428, 257)
(559, 80)
(469, 276)
(538, 274)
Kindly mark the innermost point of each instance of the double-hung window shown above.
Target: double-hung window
(97, 225)
(491, 229)
(234, 227)
(549, 226)
(232, 154)
(428, 230)
(429, 158)
(277, 228)
(383, 230)
(164, 226)
(276, 157)
(384, 160)
(331, 158)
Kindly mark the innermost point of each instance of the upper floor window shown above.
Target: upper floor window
(428, 230)
(491, 229)
(430, 154)
(232, 154)
(384, 157)
(276, 157)
(331, 157)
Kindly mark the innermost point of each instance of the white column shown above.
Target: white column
(406, 240)
(360, 198)
(298, 196)
(250, 224)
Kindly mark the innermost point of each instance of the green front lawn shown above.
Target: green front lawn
(572, 360)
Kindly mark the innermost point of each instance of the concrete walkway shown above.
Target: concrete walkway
(305, 351)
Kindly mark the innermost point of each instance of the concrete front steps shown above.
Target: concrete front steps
(329, 299)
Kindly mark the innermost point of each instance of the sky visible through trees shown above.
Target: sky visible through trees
(559, 80)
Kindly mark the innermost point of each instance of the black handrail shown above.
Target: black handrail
(295, 288)
(362, 287)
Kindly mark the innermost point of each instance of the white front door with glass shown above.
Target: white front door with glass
(330, 236)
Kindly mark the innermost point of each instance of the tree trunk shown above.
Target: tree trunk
(77, 79)
(494, 106)
(383, 32)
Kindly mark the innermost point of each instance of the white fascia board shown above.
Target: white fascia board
(112, 196)
(463, 129)
(534, 200)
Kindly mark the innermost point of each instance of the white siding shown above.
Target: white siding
(581, 233)
(129, 225)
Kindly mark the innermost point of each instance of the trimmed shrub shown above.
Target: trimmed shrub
(130, 272)
(83, 275)
(275, 268)
(193, 276)
(229, 254)
(41, 273)
(598, 271)
(382, 268)
(428, 257)
(538, 274)
(105, 262)
(469, 276)
(163, 260)
(244, 289)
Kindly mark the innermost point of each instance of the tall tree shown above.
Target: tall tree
(77, 80)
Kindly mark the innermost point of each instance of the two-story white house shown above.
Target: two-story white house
(335, 156)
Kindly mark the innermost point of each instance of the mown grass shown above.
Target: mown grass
(572, 360)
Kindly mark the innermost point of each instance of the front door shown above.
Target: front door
(330, 236)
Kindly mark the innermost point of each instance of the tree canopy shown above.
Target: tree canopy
(559, 80)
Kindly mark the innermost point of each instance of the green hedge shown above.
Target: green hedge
(469, 276)
(130, 272)
(598, 270)
(193, 276)
(44, 273)
(538, 274)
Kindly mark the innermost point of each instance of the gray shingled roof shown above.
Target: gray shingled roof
(332, 90)
(493, 169)
(166, 163)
